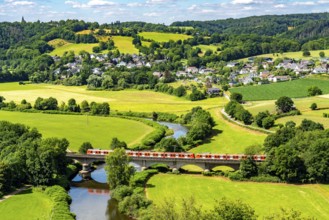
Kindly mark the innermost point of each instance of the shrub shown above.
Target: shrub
(314, 106)
(268, 122)
(120, 192)
(140, 178)
(237, 175)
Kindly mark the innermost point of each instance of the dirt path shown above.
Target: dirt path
(15, 192)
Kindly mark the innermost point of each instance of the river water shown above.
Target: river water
(91, 199)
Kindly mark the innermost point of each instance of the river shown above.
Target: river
(91, 199)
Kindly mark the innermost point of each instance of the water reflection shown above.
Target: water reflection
(91, 199)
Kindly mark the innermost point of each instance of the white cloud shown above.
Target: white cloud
(192, 7)
(91, 4)
(303, 3)
(135, 4)
(20, 3)
(243, 2)
(151, 14)
(279, 6)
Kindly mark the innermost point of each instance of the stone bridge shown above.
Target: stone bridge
(144, 162)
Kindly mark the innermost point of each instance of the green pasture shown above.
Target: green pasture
(302, 104)
(265, 198)
(204, 48)
(295, 55)
(163, 37)
(26, 205)
(223, 141)
(125, 100)
(99, 131)
(124, 44)
(58, 42)
(76, 48)
(229, 137)
(293, 89)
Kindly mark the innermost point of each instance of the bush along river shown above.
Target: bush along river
(91, 199)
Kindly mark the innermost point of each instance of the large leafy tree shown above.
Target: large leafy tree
(284, 104)
(118, 169)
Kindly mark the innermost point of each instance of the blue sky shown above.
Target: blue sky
(155, 11)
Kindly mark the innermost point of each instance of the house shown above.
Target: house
(246, 80)
(213, 91)
(97, 71)
(131, 65)
(280, 78)
(319, 69)
(157, 74)
(206, 71)
(232, 64)
(148, 64)
(192, 70)
(122, 63)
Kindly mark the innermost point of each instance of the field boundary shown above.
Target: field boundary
(228, 118)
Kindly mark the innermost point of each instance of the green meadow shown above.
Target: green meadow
(26, 205)
(295, 55)
(265, 198)
(294, 89)
(123, 44)
(302, 104)
(229, 138)
(223, 141)
(76, 48)
(77, 129)
(163, 37)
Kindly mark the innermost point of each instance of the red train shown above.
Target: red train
(181, 155)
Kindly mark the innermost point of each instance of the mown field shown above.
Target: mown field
(265, 198)
(27, 205)
(163, 37)
(295, 55)
(123, 44)
(76, 48)
(77, 129)
(302, 104)
(223, 141)
(294, 89)
(204, 48)
(229, 138)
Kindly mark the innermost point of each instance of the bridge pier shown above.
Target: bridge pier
(85, 173)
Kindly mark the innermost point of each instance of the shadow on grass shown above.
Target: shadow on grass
(150, 185)
(26, 191)
(214, 133)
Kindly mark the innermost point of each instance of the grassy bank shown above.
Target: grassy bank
(228, 137)
(163, 37)
(80, 128)
(26, 205)
(312, 200)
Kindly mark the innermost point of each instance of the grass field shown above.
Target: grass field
(58, 42)
(295, 55)
(302, 104)
(294, 89)
(125, 100)
(76, 48)
(80, 128)
(26, 205)
(204, 48)
(226, 140)
(223, 141)
(124, 44)
(163, 37)
(265, 198)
